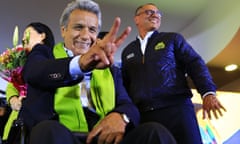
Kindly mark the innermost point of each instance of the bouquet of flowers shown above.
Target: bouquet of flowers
(11, 64)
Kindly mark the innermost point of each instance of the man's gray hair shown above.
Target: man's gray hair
(86, 5)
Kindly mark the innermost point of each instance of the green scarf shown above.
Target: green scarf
(67, 99)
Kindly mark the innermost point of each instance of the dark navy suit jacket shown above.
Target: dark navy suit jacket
(44, 74)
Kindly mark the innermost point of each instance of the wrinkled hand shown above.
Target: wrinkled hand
(16, 102)
(101, 53)
(110, 130)
(212, 104)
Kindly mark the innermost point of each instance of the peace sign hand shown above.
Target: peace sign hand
(101, 53)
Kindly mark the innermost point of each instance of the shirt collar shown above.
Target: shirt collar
(149, 34)
(69, 52)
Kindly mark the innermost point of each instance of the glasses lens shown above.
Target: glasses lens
(159, 13)
(152, 12)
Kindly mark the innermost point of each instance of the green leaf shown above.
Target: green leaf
(15, 36)
(28, 36)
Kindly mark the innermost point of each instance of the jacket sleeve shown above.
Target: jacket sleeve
(11, 91)
(44, 71)
(195, 66)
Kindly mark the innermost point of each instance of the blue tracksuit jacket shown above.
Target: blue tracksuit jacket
(159, 77)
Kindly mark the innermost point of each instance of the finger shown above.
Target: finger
(114, 138)
(102, 57)
(220, 112)
(209, 114)
(111, 60)
(118, 139)
(104, 48)
(123, 36)
(120, 40)
(86, 62)
(21, 97)
(219, 105)
(18, 107)
(91, 59)
(204, 114)
(102, 139)
(108, 49)
(113, 31)
(110, 138)
(96, 131)
(111, 52)
(222, 107)
(102, 53)
(215, 113)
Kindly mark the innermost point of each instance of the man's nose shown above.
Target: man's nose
(84, 33)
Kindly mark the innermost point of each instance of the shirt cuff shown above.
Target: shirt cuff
(74, 68)
(207, 93)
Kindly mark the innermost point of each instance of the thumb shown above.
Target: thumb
(21, 97)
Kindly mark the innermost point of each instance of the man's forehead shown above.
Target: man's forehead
(149, 6)
(82, 16)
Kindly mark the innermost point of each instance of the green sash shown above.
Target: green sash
(10, 91)
(67, 99)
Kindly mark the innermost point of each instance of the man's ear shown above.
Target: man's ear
(62, 30)
(136, 20)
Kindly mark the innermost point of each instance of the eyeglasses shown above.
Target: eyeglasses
(150, 13)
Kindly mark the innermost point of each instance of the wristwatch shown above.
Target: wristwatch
(125, 118)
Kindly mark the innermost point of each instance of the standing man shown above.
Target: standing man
(74, 94)
(154, 68)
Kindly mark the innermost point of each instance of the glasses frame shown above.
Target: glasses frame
(150, 12)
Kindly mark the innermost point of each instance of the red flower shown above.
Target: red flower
(18, 82)
(16, 76)
(11, 64)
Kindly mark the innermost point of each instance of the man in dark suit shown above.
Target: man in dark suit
(74, 94)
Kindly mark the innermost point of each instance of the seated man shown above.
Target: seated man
(74, 94)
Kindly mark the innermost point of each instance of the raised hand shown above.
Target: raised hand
(101, 53)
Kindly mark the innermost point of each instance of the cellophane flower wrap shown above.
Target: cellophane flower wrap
(11, 64)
